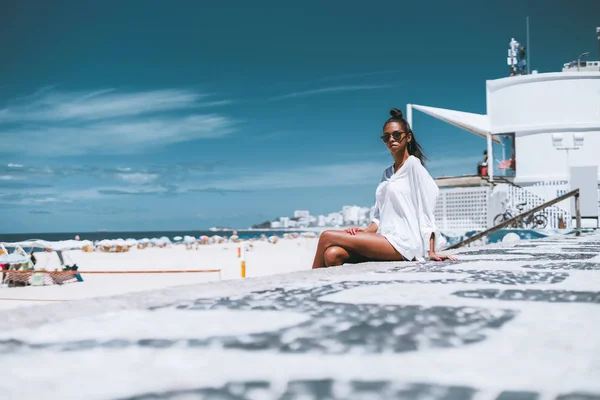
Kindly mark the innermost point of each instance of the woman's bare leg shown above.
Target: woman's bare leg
(336, 255)
(370, 245)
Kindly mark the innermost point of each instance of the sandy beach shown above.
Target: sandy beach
(262, 258)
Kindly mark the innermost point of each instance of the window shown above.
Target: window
(505, 155)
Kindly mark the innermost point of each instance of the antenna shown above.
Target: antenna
(529, 48)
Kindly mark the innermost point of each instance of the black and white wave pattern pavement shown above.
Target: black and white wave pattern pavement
(512, 321)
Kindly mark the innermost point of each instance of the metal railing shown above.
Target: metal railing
(509, 222)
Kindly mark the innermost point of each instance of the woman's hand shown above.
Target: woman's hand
(352, 231)
(440, 257)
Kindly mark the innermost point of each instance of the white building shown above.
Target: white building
(321, 220)
(285, 222)
(364, 215)
(529, 122)
(356, 215)
(530, 109)
(334, 219)
(301, 214)
(302, 222)
(351, 214)
(275, 224)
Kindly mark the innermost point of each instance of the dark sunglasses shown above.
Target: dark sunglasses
(396, 134)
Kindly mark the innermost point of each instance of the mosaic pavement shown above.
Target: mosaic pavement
(508, 321)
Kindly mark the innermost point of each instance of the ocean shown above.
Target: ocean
(451, 237)
(100, 235)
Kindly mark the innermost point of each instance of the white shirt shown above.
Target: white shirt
(403, 209)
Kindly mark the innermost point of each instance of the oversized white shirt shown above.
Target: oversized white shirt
(403, 210)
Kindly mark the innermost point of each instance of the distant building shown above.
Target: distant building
(301, 214)
(303, 222)
(351, 214)
(364, 215)
(334, 219)
(321, 220)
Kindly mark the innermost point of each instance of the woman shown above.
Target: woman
(403, 226)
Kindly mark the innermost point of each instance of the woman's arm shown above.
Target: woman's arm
(433, 255)
(371, 228)
(427, 194)
(432, 243)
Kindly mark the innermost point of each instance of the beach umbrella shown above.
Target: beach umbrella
(14, 258)
(216, 239)
(177, 238)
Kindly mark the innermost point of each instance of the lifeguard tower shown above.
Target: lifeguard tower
(537, 127)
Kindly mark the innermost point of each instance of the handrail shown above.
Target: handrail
(523, 215)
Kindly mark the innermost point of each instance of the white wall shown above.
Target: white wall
(538, 160)
(551, 102)
(462, 208)
(534, 107)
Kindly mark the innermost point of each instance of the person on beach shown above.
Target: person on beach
(403, 225)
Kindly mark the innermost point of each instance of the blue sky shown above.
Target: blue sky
(155, 115)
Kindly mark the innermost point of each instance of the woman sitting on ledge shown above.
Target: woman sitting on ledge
(403, 226)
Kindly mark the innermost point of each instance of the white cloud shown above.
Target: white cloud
(173, 180)
(101, 104)
(131, 192)
(115, 137)
(138, 178)
(30, 198)
(107, 121)
(332, 175)
(330, 89)
(305, 176)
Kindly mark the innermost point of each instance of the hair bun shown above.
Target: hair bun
(395, 113)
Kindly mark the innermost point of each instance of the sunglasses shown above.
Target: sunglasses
(396, 134)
